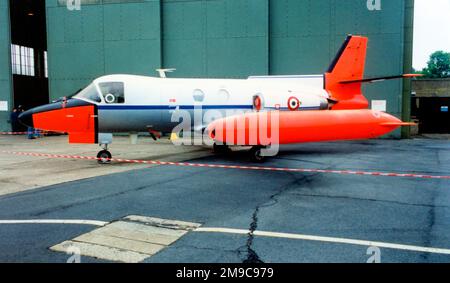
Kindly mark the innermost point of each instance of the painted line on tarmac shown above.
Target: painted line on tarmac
(255, 233)
(56, 221)
(325, 239)
(240, 167)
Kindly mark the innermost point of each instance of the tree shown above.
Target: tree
(414, 71)
(438, 65)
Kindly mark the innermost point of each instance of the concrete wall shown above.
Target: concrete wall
(431, 87)
(5, 64)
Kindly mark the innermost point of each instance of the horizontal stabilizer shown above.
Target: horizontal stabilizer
(395, 124)
(380, 79)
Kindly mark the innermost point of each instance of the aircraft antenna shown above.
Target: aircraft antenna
(162, 72)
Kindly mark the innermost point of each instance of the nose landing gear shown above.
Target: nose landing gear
(104, 156)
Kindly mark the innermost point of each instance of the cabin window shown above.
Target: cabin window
(89, 93)
(223, 95)
(198, 95)
(113, 92)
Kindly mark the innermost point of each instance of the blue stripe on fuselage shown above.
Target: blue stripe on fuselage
(167, 107)
(187, 107)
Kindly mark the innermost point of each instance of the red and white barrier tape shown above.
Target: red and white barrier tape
(301, 170)
(14, 133)
(25, 133)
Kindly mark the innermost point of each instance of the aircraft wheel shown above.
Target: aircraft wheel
(220, 149)
(256, 154)
(104, 157)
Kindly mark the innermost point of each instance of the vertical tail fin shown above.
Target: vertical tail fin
(348, 66)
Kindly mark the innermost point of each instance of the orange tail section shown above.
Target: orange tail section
(348, 66)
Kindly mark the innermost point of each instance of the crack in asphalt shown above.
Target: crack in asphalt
(372, 200)
(431, 220)
(252, 256)
(431, 215)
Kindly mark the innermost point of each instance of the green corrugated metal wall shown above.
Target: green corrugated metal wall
(216, 38)
(5, 64)
(220, 38)
(306, 34)
(100, 39)
(213, 38)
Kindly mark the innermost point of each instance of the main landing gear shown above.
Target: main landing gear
(256, 154)
(104, 156)
(221, 148)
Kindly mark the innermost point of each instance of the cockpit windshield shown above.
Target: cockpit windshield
(113, 92)
(89, 93)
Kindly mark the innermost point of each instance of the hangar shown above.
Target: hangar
(351, 201)
(53, 48)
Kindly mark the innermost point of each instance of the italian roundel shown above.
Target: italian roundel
(257, 103)
(293, 103)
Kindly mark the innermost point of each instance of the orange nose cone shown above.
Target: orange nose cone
(54, 120)
(75, 117)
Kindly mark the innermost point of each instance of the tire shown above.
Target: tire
(104, 157)
(256, 154)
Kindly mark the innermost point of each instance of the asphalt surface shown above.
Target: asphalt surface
(396, 210)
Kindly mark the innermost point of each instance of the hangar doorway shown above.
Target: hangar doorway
(29, 53)
(430, 105)
(433, 114)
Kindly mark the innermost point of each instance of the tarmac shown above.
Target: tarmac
(24, 173)
(73, 210)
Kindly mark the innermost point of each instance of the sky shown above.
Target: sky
(431, 30)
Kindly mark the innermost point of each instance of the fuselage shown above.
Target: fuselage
(149, 102)
(305, 106)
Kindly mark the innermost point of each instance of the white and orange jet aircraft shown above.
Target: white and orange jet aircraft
(312, 108)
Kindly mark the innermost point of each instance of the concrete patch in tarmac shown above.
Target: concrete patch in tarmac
(131, 239)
